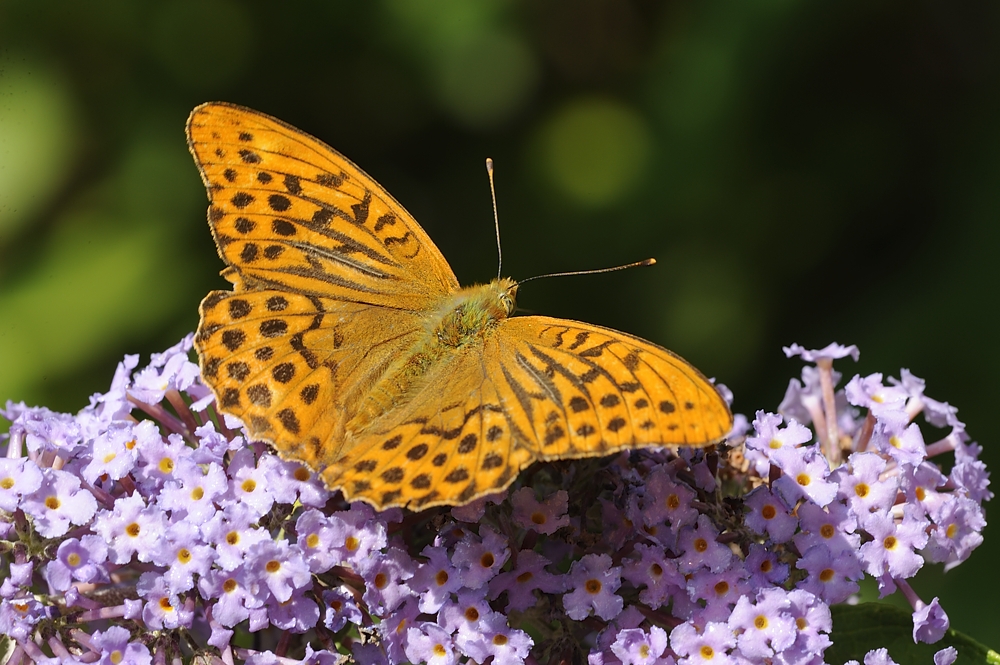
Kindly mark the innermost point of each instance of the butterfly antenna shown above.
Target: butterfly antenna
(496, 218)
(637, 264)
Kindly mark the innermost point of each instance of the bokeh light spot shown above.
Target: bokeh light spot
(37, 140)
(488, 80)
(595, 150)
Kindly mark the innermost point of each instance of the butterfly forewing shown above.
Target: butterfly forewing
(590, 390)
(289, 212)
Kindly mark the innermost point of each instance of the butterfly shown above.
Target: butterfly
(347, 343)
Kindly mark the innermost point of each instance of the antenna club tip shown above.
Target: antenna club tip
(489, 164)
(649, 262)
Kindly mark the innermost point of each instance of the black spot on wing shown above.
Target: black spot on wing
(292, 184)
(289, 420)
(277, 304)
(238, 370)
(283, 227)
(260, 395)
(241, 200)
(278, 202)
(230, 399)
(309, 393)
(239, 308)
(233, 339)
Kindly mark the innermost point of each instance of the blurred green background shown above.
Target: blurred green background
(803, 172)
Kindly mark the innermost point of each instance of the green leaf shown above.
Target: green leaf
(857, 629)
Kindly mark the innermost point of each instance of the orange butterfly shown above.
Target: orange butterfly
(348, 343)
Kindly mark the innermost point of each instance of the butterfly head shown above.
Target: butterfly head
(506, 294)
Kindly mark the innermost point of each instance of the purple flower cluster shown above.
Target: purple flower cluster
(147, 528)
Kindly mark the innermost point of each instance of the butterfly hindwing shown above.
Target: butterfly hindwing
(443, 446)
(293, 367)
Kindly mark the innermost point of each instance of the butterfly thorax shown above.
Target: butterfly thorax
(464, 319)
(468, 315)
